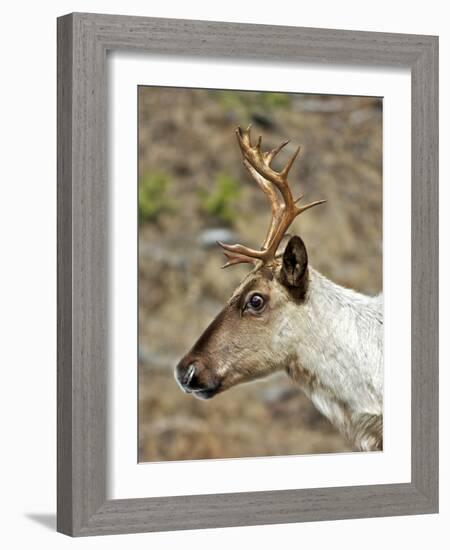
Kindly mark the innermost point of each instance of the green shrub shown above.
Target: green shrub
(272, 100)
(231, 101)
(153, 196)
(244, 103)
(220, 201)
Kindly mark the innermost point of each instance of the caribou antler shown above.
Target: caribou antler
(284, 211)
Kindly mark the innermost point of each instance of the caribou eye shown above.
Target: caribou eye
(256, 302)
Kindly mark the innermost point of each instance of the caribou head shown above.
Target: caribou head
(253, 335)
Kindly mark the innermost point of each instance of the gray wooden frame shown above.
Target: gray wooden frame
(83, 41)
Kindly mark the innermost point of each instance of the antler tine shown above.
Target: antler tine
(310, 205)
(238, 254)
(270, 155)
(283, 212)
(235, 258)
(240, 250)
(290, 162)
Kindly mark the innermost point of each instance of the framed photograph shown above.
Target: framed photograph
(300, 383)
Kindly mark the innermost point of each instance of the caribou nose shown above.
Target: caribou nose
(185, 372)
(195, 377)
(189, 374)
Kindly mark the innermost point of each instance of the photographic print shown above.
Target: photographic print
(276, 359)
(260, 274)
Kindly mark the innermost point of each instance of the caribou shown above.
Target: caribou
(286, 316)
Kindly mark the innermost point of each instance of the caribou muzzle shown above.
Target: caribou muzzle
(194, 377)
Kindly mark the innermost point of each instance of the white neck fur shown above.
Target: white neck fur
(337, 357)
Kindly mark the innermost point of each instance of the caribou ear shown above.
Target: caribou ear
(295, 263)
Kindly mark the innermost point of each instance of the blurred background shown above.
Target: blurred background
(194, 190)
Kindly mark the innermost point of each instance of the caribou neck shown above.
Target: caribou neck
(337, 356)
